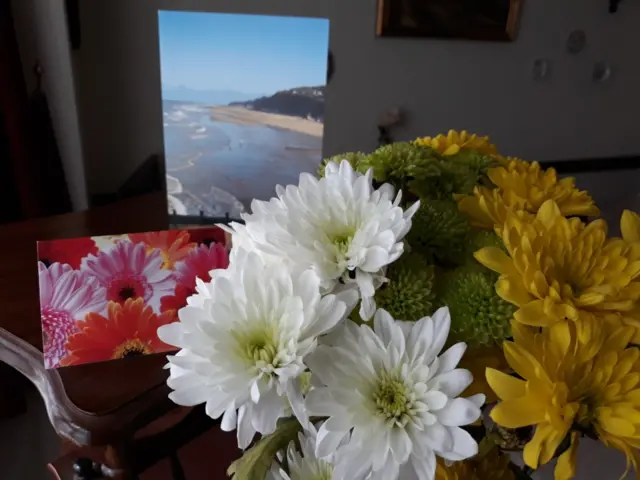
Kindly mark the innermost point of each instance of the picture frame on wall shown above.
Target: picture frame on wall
(488, 20)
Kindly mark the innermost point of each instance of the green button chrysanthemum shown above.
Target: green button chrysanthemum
(478, 239)
(478, 315)
(409, 293)
(399, 163)
(354, 158)
(439, 232)
(479, 163)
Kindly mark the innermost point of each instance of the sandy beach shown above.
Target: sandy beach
(221, 158)
(244, 116)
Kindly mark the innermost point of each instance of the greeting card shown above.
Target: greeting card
(103, 298)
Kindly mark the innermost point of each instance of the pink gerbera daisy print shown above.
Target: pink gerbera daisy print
(130, 271)
(198, 264)
(66, 296)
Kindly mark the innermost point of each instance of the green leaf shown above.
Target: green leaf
(256, 462)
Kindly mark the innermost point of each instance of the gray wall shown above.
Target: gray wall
(482, 87)
(41, 29)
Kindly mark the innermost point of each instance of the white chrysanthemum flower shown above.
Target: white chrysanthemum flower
(243, 338)
(339, 225)
(303, 464)
(389, 388)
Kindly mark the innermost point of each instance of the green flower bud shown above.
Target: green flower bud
(439, 231)
(478, 315)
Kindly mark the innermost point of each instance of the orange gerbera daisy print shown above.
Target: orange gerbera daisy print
(128, 330)
(174, 245)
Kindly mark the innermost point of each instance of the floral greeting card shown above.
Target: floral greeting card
(103, 298)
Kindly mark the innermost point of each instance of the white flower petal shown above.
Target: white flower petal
(450, 359)
(367, 308)
(375, 259)
(190, 397)
(464, 446)
(296, 401)
(436, 437)
(365, 283)
(420, 338)
(478, 399)
(435, 400)
(458, 411)
(441, 324)
(172, 334)
(424, 466)
(328, 441)
(351, 465)
(452, 383)
(386, 328)
(246, 432)
(390, 469)
(229, 419)
(400, 445)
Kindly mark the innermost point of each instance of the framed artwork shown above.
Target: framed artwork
(243, 100)
(491, 20)
(103, 298)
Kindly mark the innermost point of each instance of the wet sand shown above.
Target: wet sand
(244, 116)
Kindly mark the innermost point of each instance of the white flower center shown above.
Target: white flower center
(395, 402)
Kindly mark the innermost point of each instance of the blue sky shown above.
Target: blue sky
(244, 53)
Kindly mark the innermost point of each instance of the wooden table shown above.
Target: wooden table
(96, 404)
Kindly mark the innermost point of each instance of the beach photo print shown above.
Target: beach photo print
(103, 298)
(243, 106)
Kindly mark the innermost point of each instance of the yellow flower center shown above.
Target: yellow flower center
(393, 399)
(167, 261)
(342, 243)
(131, 348)
(586, 415)
(258, 347)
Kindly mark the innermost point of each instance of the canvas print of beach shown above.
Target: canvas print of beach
(103, 298)
(243, 100)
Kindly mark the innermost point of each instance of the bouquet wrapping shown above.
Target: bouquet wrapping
(432, 310)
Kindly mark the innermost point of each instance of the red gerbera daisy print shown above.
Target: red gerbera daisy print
(128, 330)
(173, 245)
(198, 264)
(66, 251)
(128, 271)
(172, 303)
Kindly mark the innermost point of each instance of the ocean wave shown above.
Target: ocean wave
(177, 116)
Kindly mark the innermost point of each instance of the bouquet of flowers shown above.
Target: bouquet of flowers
(426, 311)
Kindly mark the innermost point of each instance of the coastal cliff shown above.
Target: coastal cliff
(303, 102)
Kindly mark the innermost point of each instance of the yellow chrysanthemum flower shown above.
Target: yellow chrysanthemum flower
(523, 186)
(630, 226)
(492, 465)
(570, 386)
(557, 268)
(453, 142)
